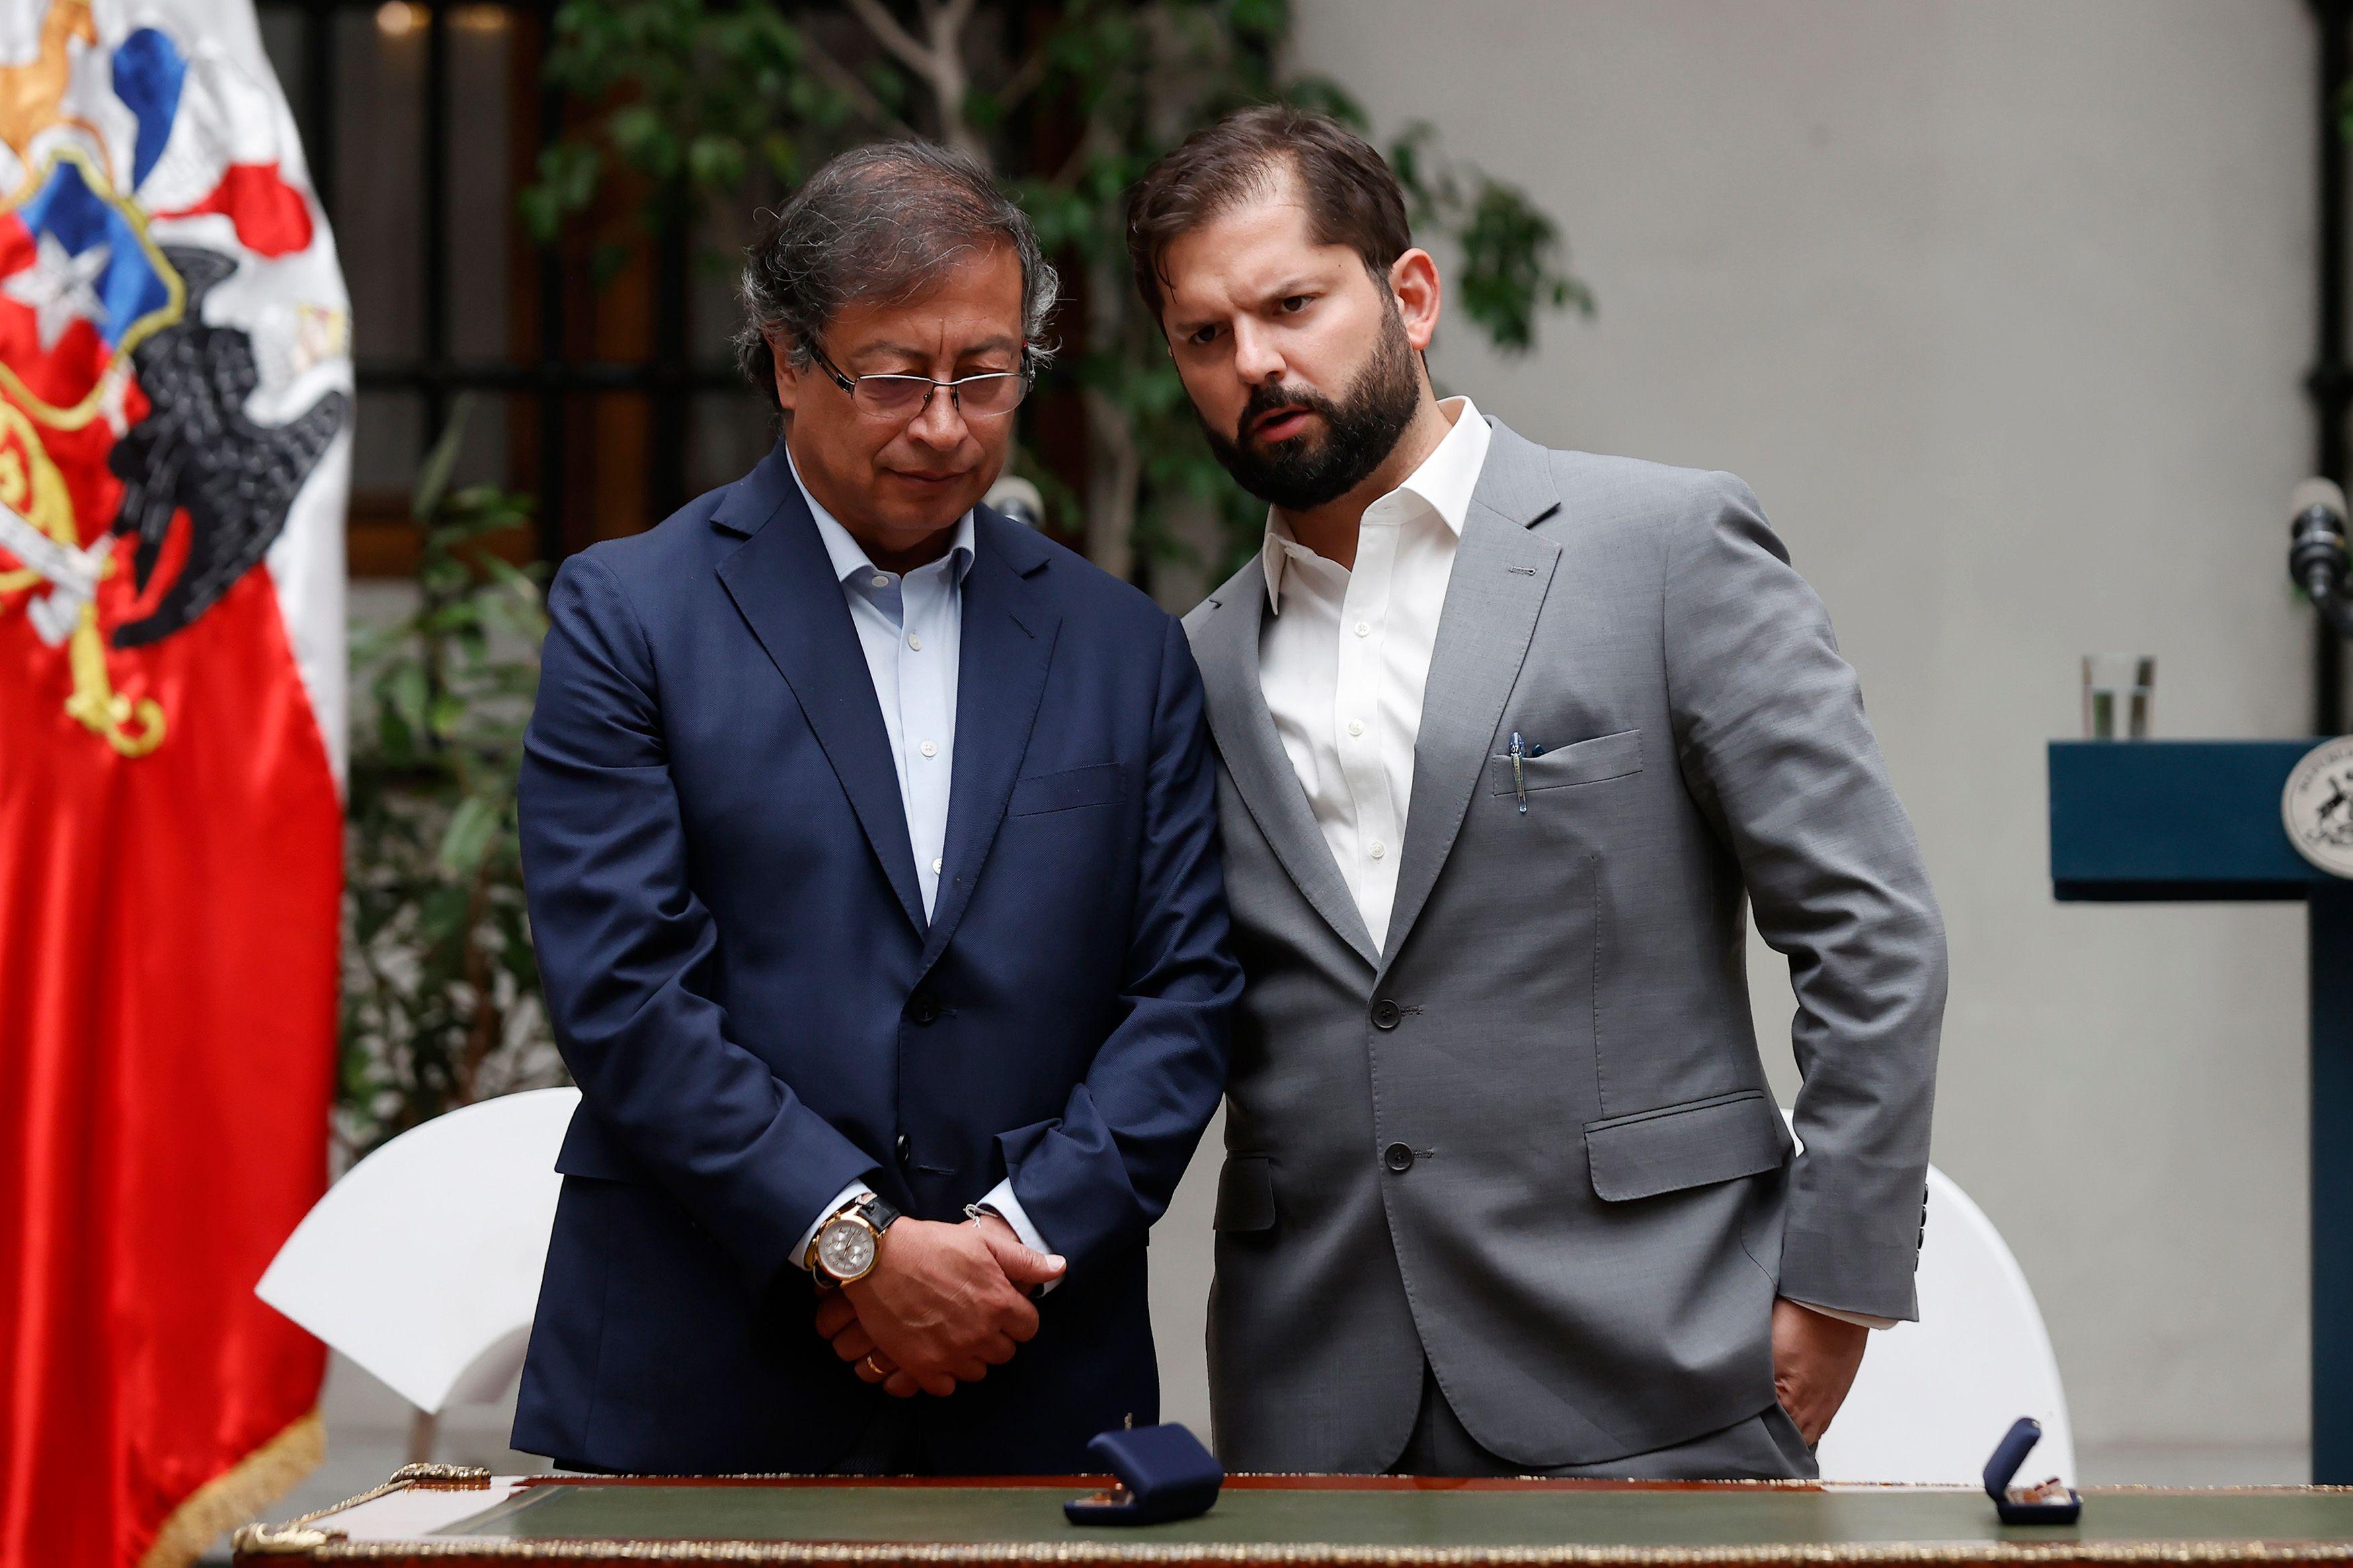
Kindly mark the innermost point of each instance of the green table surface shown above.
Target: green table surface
(1471, 1518)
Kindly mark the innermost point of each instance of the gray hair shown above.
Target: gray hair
(882, 222)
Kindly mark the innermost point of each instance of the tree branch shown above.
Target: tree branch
(892, 36)
(1025, 80)
(945, 21)
(842, 77)
(938, 65)
(1090, 144)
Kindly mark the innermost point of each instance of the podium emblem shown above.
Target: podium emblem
(2317, 808)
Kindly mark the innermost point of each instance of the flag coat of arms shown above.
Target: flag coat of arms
(176, 410)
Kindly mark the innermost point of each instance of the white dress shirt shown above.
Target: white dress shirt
(911, 627)
(1344, 656)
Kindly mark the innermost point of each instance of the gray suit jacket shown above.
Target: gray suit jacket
(1532, 1142)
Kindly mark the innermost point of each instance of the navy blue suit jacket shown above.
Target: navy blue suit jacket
(743, 982)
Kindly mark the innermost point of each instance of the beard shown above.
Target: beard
(1360, 430)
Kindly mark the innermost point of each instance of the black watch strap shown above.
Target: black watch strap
(878, 1213)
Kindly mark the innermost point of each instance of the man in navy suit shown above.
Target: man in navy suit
(871, 841)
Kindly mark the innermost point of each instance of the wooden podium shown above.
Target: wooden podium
(2178, 820)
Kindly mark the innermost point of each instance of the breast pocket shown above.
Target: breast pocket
(1585, 761)
(1068, 790)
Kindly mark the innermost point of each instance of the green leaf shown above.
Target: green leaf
(441, 915)
(446, 713)
(407, 694)
(433, 477)
(781, 154)
(644, 138)
(1266, 23)
(569, 173)
(1510, 252)
(542, 215)
(715, 160)
(473, 827)
(605, 261)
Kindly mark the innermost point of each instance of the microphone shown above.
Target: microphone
(2315, 552)
(1017, 499)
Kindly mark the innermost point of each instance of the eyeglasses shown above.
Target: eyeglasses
(986, 397)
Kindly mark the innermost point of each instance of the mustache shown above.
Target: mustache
(1360, 427)
(1265, 400)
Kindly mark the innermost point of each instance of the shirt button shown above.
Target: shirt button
(915, 642)
(880, 581)
(930, 749)
(1380, 848)
(935, 865)
(1355, 726)
(1363, 628)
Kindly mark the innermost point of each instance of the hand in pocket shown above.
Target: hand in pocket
(1815, 1358)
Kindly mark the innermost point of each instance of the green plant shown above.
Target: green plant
(440, 988)
(731, 101)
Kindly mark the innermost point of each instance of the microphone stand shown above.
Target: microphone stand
(2316, 563)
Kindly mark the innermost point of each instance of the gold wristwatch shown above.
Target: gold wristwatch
(846, 1245)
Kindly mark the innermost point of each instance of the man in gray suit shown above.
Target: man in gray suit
(1511, 739)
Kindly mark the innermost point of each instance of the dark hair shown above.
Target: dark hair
(1352, 198)
(880, 222)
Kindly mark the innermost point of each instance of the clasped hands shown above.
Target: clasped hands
(941, 1305)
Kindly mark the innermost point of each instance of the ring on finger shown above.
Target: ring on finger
(876, 1367)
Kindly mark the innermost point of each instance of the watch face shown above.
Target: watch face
(845, 1249)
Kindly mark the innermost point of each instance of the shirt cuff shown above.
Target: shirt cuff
(1001, 1203)
(850, 1194)
(1864, 1320)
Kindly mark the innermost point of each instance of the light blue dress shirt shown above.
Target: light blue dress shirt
(910, 626)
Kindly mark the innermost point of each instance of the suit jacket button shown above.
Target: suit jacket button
(904, 1149)
(923, 1008)
(1398, 1158)
(1385, 1014)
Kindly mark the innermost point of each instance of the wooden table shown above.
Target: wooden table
(442, 1516)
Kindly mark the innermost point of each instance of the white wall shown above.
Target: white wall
(2002, 306)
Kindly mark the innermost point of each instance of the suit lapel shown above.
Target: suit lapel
(782, 582)
(1501, 574)
(1227, 652)
(1010, 628)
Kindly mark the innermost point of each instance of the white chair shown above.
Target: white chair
(1935, 1396)
(422, 1264)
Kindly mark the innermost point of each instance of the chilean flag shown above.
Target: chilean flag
(76, 279)
(175, 403)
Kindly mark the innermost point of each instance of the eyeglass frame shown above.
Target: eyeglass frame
(1027, 375)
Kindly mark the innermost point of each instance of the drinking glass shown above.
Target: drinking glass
(2119, 688)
